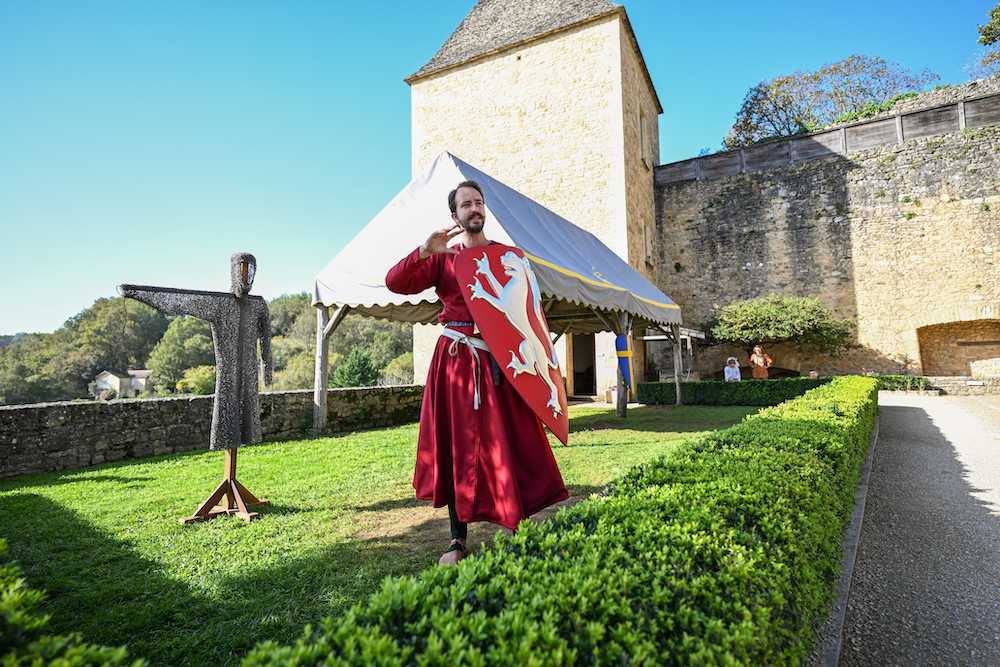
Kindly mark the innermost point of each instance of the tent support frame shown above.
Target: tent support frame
(325, 326)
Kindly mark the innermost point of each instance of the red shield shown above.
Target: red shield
(502, 293)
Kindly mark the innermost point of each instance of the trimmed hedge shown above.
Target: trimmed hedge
(709, 392)
(903, 382)
(22, 638)
(723, 553)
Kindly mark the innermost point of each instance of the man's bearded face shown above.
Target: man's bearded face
(470, 211)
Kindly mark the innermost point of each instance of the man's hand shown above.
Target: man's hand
(437, 243)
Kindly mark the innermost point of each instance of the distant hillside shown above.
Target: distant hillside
(7, 339)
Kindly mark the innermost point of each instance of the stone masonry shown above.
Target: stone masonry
(905, 237)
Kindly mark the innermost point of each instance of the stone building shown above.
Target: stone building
(553, 98)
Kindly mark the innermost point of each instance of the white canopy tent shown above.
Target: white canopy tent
(585, 286)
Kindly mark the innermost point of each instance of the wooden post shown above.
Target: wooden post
(238, 500)
(322, 368)
(675, 329)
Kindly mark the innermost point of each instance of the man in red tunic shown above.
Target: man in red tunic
(481, 450)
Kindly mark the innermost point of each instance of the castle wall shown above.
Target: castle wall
(902, 236)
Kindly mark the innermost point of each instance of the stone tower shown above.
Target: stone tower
(551, 97)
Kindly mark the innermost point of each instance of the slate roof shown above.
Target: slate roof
(497, 24)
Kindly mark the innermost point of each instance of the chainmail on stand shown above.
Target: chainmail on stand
(238, 320)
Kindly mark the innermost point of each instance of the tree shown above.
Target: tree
(398, 371)
(199, 380)
(357, 371)
(803, 101)
(119, 335)
(988, 63)
(186, 344)
(781, 319)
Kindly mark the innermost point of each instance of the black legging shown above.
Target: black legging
(459, 530)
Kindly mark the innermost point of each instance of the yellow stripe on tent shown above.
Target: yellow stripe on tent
(599, 283)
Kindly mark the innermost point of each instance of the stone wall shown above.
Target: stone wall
(966, 386)
(903, 237)
(59, 436)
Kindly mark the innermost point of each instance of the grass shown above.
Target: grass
(105, 543)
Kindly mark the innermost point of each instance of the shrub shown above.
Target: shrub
(746, 392)
(22, 641)
(903, 382)
(724, 552)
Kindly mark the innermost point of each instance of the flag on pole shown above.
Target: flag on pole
(623, 344)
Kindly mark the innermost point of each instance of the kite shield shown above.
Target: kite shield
(503, 296)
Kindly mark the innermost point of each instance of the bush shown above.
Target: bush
(22, 641)
(746, 392)
(724, 552)
(903, 382)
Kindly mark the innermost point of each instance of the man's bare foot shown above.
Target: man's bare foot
(455, 553)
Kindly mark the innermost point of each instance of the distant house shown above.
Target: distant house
(128, 384)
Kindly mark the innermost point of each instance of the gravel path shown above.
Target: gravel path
(926, 584)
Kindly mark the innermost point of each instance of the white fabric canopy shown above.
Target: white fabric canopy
(584, 284)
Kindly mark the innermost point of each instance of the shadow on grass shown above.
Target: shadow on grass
(105, 589)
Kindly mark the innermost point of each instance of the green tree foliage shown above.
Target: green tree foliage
(293, 341)
(987, 62)
(186, 344)
(357, 371)
(120, 335)
(990, 33)
(199, 380)
(803, 101)
(60, 366)
(385, 340)
(781, 319)
(398, 371)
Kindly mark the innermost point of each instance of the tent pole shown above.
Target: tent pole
(322, 368)
(324, 327)
(678, 360)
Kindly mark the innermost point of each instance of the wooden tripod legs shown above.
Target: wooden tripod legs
(238, 500)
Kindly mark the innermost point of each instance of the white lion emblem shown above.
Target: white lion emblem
(534, 356)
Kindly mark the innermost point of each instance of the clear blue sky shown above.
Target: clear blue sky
(145, 142)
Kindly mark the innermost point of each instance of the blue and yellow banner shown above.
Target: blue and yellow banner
(623, 344)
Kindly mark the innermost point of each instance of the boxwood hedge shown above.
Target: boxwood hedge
(723, 553)
(709, 392)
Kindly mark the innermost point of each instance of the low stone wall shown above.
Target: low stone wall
(966, 386)
(59, 436)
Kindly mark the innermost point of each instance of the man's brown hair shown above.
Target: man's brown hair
(463, 184)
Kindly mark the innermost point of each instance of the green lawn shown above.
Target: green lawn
(106, 544)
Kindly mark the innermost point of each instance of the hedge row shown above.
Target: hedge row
(723, 553)
(22, 633)
(903, 382)
(746, 392)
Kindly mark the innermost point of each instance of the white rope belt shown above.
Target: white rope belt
(459, 338)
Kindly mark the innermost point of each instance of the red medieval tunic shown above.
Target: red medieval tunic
(493, 462)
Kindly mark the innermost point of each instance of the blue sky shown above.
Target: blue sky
(145, 142)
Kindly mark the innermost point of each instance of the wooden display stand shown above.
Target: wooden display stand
(238, 499)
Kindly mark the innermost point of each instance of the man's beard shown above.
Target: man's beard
(474, 223)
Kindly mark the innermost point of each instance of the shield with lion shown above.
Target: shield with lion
(503, 296)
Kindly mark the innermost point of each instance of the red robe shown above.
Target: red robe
(494, 463)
